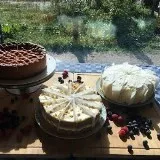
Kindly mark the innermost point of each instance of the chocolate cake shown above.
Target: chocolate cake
(21, 60)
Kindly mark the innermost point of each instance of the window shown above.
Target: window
(64, 25)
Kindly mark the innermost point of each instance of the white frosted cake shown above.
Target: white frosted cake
(71, 107)
(128, 84)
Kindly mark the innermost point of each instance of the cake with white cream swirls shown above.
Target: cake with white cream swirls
(71, 107)
(128, 84)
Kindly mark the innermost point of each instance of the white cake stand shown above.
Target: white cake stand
(30, 85)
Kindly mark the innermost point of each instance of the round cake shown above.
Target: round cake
(21, 60)
(128, 84)
(71, 107)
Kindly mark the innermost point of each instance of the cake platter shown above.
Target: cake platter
(51, 130)
(100, 92)
(31, 84)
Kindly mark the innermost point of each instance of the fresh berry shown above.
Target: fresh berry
(122, 133)
(129, 148)
(129, 123)
(131, 133)
(158, 135)
(149, 122)
(69, 81)
(79, 78)
(65, 72)
(125, 128)
(134, 121)
(62, 81)
(31, 100)
(148, 132)
(147, 126)
(59, 79)
(109, 114)
(19, 137)
(120, 119)
(109, 127)
(114, 117)
(145, 142)
(136, 130)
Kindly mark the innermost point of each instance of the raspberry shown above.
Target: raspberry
(65, 71)
(64, 75)
(125, 128)
(122, 133)
(120, 119)
(114, 117)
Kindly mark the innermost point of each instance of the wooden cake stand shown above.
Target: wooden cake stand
(30, 85)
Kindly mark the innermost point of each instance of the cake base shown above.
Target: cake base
(51, 130)
(100, 92)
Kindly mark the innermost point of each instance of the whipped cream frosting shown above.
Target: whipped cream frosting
(71, 102)
(125, 83)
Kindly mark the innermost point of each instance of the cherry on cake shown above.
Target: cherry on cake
(128, 84)
(71, 107)
(21, 60)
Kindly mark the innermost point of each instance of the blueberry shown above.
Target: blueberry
(79, 78)
(149, 122)
(129, 147)
(59, 79)
(158, 135)
(147, 126)
(129, 123)
(62, 81)
(109, 127)
(109, 114)
(129, 127)
(131, 133)
(148, 132)
(136, 130)
(134, 121)
(145, 142)
(146, 123)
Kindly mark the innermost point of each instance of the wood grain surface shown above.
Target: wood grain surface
(102, 144)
